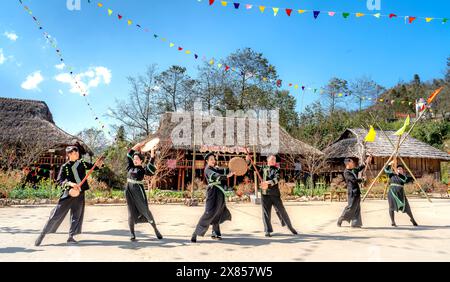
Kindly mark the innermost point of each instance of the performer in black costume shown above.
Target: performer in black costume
(352, 212)
(71, 174)
(216, 211)
(271, 196)
(137, 203)
(397, 196)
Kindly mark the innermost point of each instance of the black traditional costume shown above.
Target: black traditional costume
(397, 197)
(137, 203)
(216, 211)
(272, 197)
(352, 212)
(74, 172)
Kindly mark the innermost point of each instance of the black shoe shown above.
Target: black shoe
(414, 222)
(356, 226)
(393, 224)
(339, 223)
(39, 239)
(268, 234)
(216, 236)
(72, 241)
(194, 238)
(294, 231)
(158, 235)
(133, 238)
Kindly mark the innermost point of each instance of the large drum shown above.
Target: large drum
(238, 166)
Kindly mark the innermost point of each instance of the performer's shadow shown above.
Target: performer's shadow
(248, 240)
(14, 250)
(408, 227)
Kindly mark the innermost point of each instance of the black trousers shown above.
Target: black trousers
(76, 208)
(352, 212)
(269, 201)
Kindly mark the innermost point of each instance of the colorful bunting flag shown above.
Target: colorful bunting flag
(275, 11)
(402, 130)
(288, 12)
(371, 136)
(316, 14)
(434, 95)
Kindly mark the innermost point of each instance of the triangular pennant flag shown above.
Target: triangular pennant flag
(445, 20)
(129, 22)
(110, 12)
(296, 86)
(211, 2)
(119, 16)
(301, 11)
(219, 65)
(411, 19)
(434, 95)
(227, 68)
(392, 16)
(196, 56)
(180, 49)
(188, 52)
(171, 45)
(377, 15)
(100, 5)
(224, 3)
(288, 12)
(248, 6)
(316, 14)
(275, 11)
(428, 19)
(331, 14)
(358, 15)
(345, 15)
(370, 137)
(211, 62)
(262, 8)
(236, 5)
(402, 130)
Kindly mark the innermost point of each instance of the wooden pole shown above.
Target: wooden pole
(401, 159)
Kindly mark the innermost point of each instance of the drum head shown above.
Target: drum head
(74, 193)
(150, 145)
(238, 166)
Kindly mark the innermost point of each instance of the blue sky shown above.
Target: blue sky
(304, 50)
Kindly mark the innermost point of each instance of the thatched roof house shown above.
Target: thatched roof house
(287, 143)
(419, 156)
(30, 123)
(289, 149)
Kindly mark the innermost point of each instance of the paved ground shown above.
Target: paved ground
(105, 235)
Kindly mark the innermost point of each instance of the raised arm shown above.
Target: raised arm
(150, 168)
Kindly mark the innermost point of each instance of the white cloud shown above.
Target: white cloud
(91, 78)
(2, 57)
(60, 66)
(32, 81)
(11, 36)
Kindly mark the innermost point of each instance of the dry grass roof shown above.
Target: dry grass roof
(288, 144)
(350, 145)
(31, 122)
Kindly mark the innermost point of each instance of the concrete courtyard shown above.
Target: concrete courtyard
(105, 236)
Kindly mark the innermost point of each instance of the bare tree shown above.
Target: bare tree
(177, 89)
(94, 139)
(163, 169)
(365, 91)
(334, 92)
(139, 112)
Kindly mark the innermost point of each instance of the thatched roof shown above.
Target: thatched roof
(31, 122)
(288, 144)
(349, 145)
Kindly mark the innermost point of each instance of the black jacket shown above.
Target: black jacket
(352, 180)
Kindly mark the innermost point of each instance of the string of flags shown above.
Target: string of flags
(316, 13)
(52, 42)
(279, 83)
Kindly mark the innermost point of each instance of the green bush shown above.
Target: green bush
(47, 189)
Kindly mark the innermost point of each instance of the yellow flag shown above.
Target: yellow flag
(301, 11)
(275, 11)
(262, 8)
(402, 130)
(224, 3)
(358, 15)
(428, 19)
(211, 62)
(371, 135)
(171, 45)
(110, 12)
(129, 22)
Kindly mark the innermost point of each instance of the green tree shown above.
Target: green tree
(334, 93)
